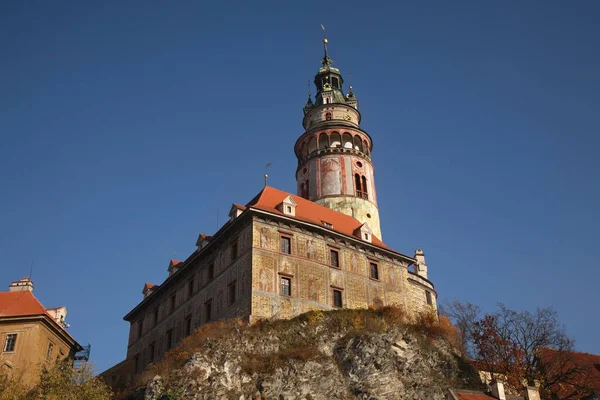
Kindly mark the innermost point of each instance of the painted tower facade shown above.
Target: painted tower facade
(334, 154)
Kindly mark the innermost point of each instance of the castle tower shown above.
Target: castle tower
(334, 153)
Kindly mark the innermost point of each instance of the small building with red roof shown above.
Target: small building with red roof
(31, 335)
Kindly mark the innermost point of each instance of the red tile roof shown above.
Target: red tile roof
(269, 198)
(588, 375)
(472, 396)
(19, 304)
(24, 304)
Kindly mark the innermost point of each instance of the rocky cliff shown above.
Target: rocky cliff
(346, 354)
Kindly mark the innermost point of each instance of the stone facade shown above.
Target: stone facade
(181, 302)
(313, 278)
(191, 296)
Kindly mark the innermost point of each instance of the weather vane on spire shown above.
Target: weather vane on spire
(326, 59)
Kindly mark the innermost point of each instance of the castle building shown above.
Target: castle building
(30, 334)
(281, 254)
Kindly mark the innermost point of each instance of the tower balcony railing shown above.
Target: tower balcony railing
(362, 195)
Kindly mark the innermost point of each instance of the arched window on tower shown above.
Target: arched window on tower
(358, 143)
(347, 140)
(336, 140)
(323, 141)
(312, 145)
(328, 115)
(358, 185)
(335, 83)
(304, 189)
(361, 186)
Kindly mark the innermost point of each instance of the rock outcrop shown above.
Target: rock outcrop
(346, 354)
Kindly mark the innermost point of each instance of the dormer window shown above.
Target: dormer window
(288, 206)
(327, 225)
(236, 211)
(364, 232)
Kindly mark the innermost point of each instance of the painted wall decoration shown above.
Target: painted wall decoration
(265, 280)
(265, 238)
(331, 177)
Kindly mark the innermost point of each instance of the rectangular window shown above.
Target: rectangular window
(334, 258)
(234, 250)
(155, 316)
(191, 288)
(337, 298)
(232, 292)
(173, 301)
(49, 351)
(374, 271)
(286, 245)
(208, 311)
(137, 363)
(428, 296)
(286, 286)
(151, 351)
(140, 328)
(187, 325)
(169, 339)
(211, 271)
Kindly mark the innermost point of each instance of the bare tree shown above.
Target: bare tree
(521, 347)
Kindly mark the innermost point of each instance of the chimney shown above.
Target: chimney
(531, 393)
(420, 265)
(498, 390)
(25, 284)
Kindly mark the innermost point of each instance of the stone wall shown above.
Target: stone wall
(313, 278)
(228, 272)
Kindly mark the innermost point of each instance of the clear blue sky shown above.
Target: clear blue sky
(127, 129)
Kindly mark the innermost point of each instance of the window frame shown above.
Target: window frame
(335, 290)
(208, 311)
(140, 328)
(151, 351)
(377, 274)
(187, 325)
(211, 271)
(232, 293)
(5, 348)
(283, 237)
(156, 316)
(173, 302)
(234, 250)
(49, 350)
(337, 253)
(429, 297)
(287, 278)
(191, 287)
(169, 339)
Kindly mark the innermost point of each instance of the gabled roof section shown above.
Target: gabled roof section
(307, 211)
(20, 304)
(289, 201)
